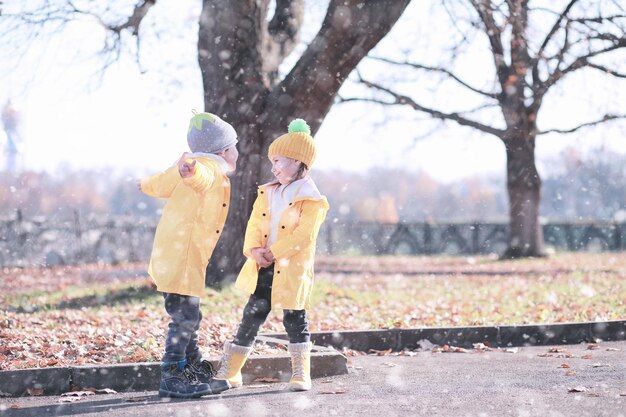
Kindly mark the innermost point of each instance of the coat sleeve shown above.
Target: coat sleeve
(162, 184)
(305, 234)
(253, 230)
(202, 179)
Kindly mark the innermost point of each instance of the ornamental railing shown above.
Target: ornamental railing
(96, 238)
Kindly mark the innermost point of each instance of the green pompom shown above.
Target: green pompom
(299, 125)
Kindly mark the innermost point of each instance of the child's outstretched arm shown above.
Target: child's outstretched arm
(196, 176)
(312, 217)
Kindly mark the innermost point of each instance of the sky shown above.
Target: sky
(134, 117)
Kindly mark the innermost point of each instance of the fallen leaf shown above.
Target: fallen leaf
(266, 379)
(570, 373)
(546, 355)
(578, 389)
(106, 391)
(481, 346)
(565, 355)
(385, 352)
(77, 394)
(564, 365)
(593, 394)
(137, 399)
(557, 349)
(334, 392)
(588, 356)
(69, 399)
(593, 346)
(17, 405)
(612, 350)
(34, 391)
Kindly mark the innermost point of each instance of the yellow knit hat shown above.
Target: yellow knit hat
(296, 144)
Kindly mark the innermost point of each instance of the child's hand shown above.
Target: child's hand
(258, 254)
(269, 256)
(186, 169)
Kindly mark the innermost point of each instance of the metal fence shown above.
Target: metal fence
(40, 241)
(462, 238)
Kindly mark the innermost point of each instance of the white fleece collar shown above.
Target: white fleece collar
(221, 161)
(302, 188)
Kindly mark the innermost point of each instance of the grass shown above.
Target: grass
(95, 319)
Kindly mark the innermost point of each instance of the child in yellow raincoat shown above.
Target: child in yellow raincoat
(280, 247)
(198, 193)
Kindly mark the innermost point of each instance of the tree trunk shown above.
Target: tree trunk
(238, 64)
(524, 190)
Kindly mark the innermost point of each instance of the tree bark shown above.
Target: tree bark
(239, 63)
(524, 191)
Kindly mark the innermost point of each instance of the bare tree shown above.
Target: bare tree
(528, 61)
(239, 53)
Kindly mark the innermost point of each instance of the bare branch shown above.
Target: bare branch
(580, 62)
(598, 19)
(494, 33)
(604, 119)
(555, 28)
(456, 117)
(284, 33)
(353, 28)
(139, 13)
(438, 69)
(607, 70)
(368, 100)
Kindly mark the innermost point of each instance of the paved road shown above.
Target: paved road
(427, 384)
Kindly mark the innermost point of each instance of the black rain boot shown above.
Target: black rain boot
(178, 381)
(205, 372)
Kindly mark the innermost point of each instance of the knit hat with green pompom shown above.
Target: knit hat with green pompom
(208, 133)
(297, 143)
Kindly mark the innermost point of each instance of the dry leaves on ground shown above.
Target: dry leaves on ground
(97, 314)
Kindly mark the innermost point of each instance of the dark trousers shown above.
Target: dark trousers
(258, 308)
(182, 335)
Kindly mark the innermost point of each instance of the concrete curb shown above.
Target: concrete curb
(145, 376)
(494, 336)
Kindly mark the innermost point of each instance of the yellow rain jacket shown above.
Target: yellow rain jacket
(191, 224)
(294, 249)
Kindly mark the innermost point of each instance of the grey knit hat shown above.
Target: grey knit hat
(209, 134)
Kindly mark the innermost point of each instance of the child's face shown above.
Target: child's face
(230, 155)
(284, 169)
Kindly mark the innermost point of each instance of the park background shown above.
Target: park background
(88, 108)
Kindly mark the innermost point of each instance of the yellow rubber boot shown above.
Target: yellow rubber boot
(234, 358)
(300, 366)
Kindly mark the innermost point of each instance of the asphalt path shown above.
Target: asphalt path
(527, 381)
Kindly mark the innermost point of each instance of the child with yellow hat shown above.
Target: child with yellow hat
(280, 246)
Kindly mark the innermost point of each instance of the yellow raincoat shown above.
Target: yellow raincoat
(294, 249)
(191, 224)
